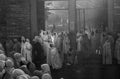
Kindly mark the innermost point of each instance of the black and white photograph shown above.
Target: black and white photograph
(59, 39)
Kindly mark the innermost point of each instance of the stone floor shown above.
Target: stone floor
(91, 69)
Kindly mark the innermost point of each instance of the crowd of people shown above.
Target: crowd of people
(27, 59)
(34, 59)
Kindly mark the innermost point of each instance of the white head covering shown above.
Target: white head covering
(17, 56)
(23, 38)
(2, 57)
(2, 65)
(46, 76)
(27, 40)
(9, 63)
(35, 77)
(17, 72)
(23, 77)
(28, 45)
(45, 68)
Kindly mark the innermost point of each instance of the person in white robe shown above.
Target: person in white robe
(107, 56)
(22, 45)
(55, 58)
(28, 51)
(78, 39)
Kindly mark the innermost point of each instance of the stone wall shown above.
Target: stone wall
(18, 18)
(40, 15)
(15, 18)
(116, 16)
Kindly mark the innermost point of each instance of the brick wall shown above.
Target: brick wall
(116, 16)
(40, 15)
(15, 17)
(18, 18)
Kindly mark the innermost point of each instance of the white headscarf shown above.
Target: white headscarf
(17, 72)
(25, 76)
(45, 68)
(35, 77)
(2, 57)
(46, 76)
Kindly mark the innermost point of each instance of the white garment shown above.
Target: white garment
(28, 51)
(55, 59)
(22, 48)
(79, 43)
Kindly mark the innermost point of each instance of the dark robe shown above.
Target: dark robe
(9, 48)
(17, 47)
(38, 55)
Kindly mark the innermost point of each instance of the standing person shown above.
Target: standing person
(111, 39)
(117, 49)
(22, 45)
(107, 56)
(9, 47)
(79, 40)
(1, 47)
(55, 57)
(66, 47)
(28, 51)
(38, 53)
(17, 46)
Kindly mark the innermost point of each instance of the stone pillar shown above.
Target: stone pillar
(40, 15)
(110, 15)
(34, 27)
(72, 16)
(72, 23)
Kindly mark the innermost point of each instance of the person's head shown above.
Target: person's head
(36, 39)
(23, 61)
(45, 68)
(17, 57)
(46, 76)
(9, 63)
(37, 73)
(2, 57)
(79, 34)
(23, 77)
(22, 38)
(25, 69)
(15, 40)
(31, 67)
(35, 77)
(52, 45)
(2, 65)
(27, 40)
(17, 72)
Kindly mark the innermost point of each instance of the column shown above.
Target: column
(34, 27)
(72, 23)
(110, 15)
(40, 15)
(72, 16)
